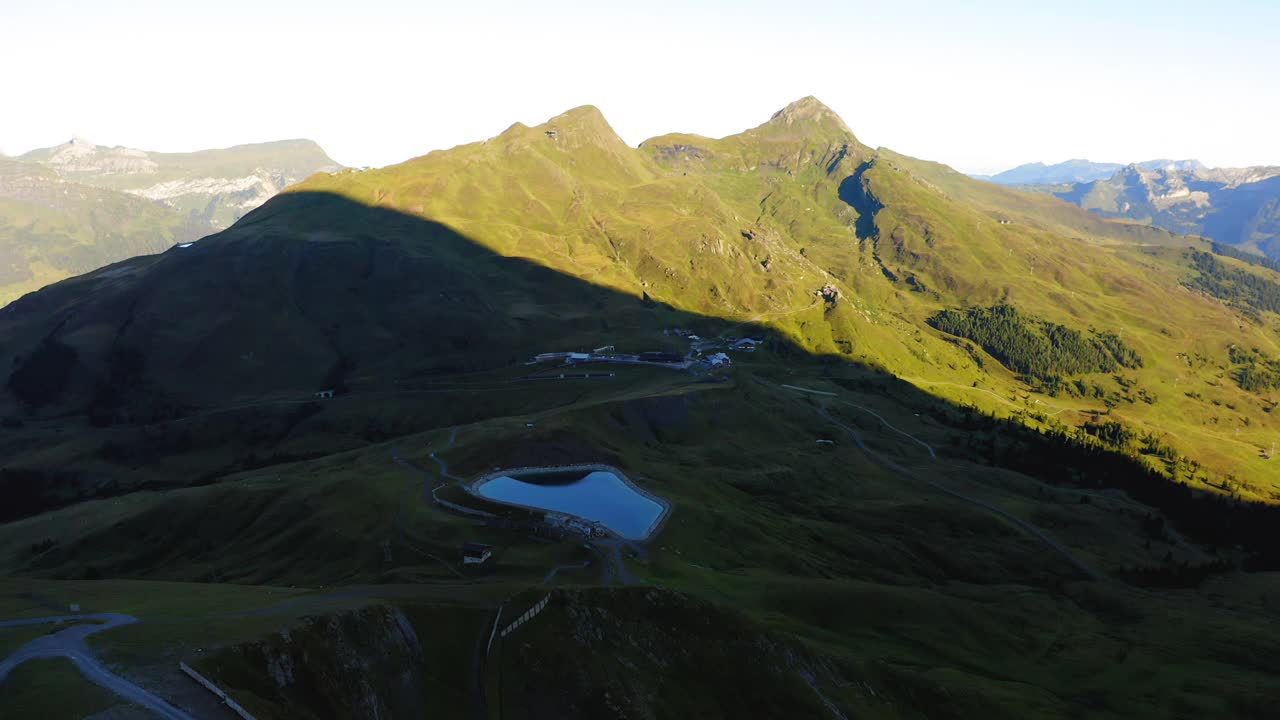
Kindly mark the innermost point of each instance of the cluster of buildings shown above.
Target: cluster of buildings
(557, 525)
(645, 358)
(706, 354)
(574, 525)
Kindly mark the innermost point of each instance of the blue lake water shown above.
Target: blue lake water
(599, 496)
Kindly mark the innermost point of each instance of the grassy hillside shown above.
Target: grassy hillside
(789, 563)
(995, 457)
(753, 225)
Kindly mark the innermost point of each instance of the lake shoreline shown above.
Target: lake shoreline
(521, 472)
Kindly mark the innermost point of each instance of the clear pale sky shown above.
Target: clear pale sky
(981, 86)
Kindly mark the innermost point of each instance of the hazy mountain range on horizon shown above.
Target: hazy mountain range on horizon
(1234, 206)
(75, 207)
(1074, 171)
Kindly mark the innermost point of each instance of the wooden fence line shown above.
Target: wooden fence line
(528, 615)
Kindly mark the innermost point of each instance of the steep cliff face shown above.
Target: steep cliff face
(367, 663)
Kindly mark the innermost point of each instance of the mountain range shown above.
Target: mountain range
(1068, 171)
(995, 455)
(73, 208)
(1233, 206)
(1077, 171)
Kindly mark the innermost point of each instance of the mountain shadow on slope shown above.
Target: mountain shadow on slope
(301, 294)
(313, 291)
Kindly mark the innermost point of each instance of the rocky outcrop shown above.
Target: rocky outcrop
(79, 156)
(367, 663)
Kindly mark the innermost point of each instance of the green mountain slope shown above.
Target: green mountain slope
(754, 225)
(750, 227)
(1051, 511)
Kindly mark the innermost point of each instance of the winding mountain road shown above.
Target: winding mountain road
(70, 643)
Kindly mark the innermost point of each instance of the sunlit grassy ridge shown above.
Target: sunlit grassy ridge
(755, 224)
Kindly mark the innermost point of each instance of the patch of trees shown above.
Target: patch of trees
(1248, 257)
(1254, 371)
(1237, 287)
(40, 377)
(1037, 348)
(1110, 432)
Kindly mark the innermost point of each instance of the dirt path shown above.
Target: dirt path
(551, 574)
(1060, 408)
(903, 433)
(444, 466)
(70, 643)
(427, 494)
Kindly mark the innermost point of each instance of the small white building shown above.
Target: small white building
(474, 553)
(719, 359)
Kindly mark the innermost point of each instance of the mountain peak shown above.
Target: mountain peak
(808, 109)
(583, 116)
(581, 126)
